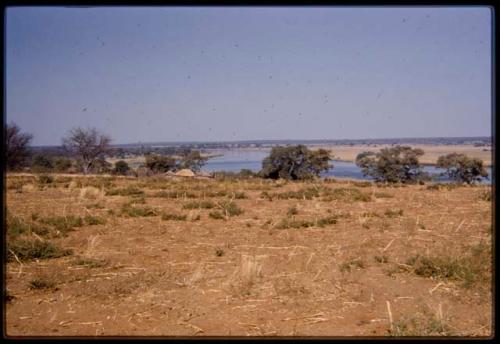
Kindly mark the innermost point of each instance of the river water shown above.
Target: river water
(234, 161)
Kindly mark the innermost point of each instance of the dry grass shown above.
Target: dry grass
(163, 266)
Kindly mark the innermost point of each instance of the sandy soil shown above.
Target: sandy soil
(243, 276)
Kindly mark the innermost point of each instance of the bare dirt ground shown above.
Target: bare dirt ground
(364, 260)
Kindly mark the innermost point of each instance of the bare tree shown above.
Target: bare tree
(16, 146)
(88, 145)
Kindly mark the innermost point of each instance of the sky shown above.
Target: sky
(247, 73)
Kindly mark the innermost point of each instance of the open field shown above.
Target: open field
(157, 257)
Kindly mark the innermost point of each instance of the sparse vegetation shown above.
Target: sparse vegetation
(131, 210)
(41, 283)
(199, 205)
(352, 264)
(393, 213)
(127, 191)
(25, 249)
(174, 217)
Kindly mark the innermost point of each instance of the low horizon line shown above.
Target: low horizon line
(281, 140)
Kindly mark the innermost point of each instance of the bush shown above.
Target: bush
(174, 217)
(295, 163)
(217, 215)
(42, 163)
(63, 224)
(35, 249)
(121, 167)
(398, 164)
(192, 160)
(45, 179)
(461, 168)
(160, 164)
(62, 164)
(231, 209)
(132, 211)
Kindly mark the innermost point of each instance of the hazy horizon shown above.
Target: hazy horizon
(226, 74)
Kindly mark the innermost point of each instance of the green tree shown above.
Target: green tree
(16, 146)
(398, 164)
(121, 167)
(159, 163)
(461, 168)
(295, 163)
(192, 160)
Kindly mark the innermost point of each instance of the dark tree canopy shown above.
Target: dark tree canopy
(192, 160)
(121, 167)
(42, 163)
(88, 145)
(461, 168)
(397, 164)
(295, 163)
(160, 164)
(16, 146)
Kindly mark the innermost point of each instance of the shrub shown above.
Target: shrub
(175, 194)
(35, 249)
(94, 220)
(200, 204)
(45, 179)
(192, 160)
(346, 194)
(91, 263)
(160, 164)
(295, 163)
(63, 223)
(40, 283)
(217, 215)
(230, 208)
(121, 167)
(393, 165)
(461, 168)
(132, 211)
(393, 212)
(292, 211)
(353, 263)
(174, 217)
(128, 191)
(62, 164)
(42, 163)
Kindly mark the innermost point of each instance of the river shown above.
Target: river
(235, 160)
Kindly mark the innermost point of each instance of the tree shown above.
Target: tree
(62, 164)
(461, 168)
(121, 167)
(42, 163)
(87, 145)
(192, 160)
(393, 165)
(160, 164)
(295, 163)
(16, 146)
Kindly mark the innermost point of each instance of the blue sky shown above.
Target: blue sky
(230, 73)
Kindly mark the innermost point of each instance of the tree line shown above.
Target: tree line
(88, 148)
